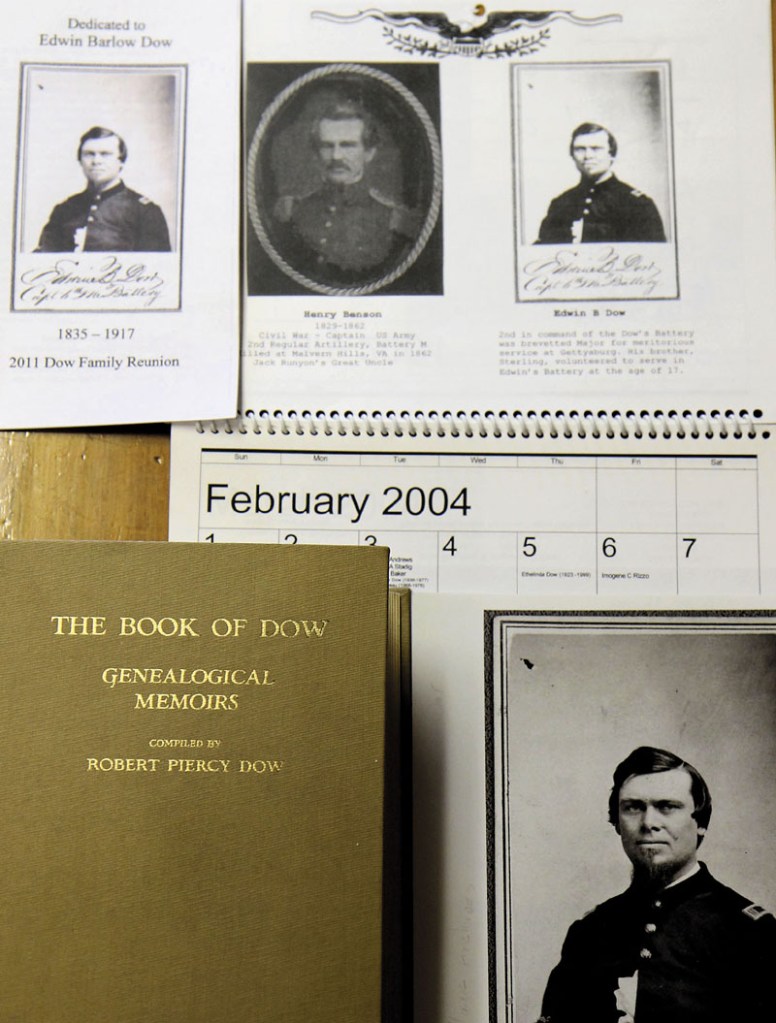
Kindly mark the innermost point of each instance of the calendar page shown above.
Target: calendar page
(455, 208)
(533, 519)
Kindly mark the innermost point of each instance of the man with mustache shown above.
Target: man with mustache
(601, 208)
(345, 231)
(678, 946)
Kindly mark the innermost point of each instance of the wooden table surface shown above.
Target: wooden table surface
(109, 484)
(100, 484)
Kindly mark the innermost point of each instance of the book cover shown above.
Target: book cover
(191, 776)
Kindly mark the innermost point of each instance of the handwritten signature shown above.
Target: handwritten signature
(73, 281)
(571, 270)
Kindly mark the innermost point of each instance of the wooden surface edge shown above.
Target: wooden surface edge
(79, 485)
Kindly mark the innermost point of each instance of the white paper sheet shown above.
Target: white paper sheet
(123, 286)
(449, 303)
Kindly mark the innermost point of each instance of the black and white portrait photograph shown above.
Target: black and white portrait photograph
(599, 207)
(594, 175)
(344, 182)
(101, 159)
(106, 216)
(632, 797)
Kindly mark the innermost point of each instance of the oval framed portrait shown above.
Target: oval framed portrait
(344, 180)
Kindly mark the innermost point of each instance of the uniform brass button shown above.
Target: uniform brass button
(650, 928)
(90, 220)
(645, 953)
(327, 224)
(657, 903)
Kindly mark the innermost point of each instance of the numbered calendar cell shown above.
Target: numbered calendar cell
(640, 499)
(636, 563)
(717, 500)
(551, 563)
(476, 562)
(413, 560)
(238, 535)
(714, 557)
(340, 537)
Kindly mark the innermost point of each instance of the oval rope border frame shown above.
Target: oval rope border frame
(436, 186)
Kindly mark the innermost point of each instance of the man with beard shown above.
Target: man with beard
(678, 946)
(344, 231)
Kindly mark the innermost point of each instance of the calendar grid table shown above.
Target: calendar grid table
(526, 524)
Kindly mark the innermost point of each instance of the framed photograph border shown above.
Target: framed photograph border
(518, 177)
(432, 214)
(501, 951)
(180, 71)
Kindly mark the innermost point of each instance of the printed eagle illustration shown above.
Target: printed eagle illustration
(477, 30)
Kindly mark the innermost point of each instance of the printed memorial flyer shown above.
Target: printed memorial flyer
(120, 253)
(454, 208)
(192, 773)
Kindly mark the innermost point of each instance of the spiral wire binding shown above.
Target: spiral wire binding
(502, 425)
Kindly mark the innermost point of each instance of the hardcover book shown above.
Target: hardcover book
(191, 776)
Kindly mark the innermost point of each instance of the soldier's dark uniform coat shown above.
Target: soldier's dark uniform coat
(116, 220)
(610, 210)
(704, 954)
(345, 232)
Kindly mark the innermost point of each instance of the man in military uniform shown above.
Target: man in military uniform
(678, 946)
(107, 216)
(601, 208)
(344, 231)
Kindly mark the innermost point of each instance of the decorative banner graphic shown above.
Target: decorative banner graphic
(520, 33)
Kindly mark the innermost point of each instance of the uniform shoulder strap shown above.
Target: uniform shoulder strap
(755, 912)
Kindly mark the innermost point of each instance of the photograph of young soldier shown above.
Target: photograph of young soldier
(677, 946)
(107, 216)
(600, 208)
(345, 230)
